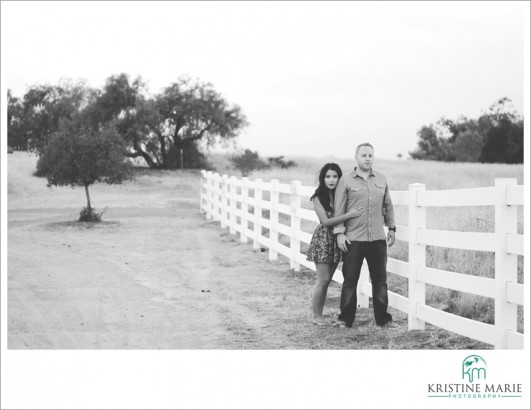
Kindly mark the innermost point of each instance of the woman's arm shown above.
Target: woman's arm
(328, 222)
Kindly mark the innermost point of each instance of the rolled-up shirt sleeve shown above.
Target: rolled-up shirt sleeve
(340, 204)
(389, 215)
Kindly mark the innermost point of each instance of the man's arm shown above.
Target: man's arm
(389, 214)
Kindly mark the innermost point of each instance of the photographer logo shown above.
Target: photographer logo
(474, 384)
(474, 368)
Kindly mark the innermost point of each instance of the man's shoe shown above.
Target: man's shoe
(390, 325)
(340, 324)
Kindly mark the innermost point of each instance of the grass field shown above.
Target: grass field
(436, 176)
(156, 271)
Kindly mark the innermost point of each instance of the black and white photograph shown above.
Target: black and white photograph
(265, 204)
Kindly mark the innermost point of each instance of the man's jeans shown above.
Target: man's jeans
(376, 255)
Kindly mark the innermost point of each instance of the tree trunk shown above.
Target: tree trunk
(178, 145)
(88, 197)
(145, 155)
(163, 151)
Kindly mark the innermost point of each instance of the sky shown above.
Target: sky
(312, 78)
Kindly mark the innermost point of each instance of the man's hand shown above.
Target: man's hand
(390, 238)
(342, 241)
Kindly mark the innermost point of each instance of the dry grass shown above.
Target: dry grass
(284, 305)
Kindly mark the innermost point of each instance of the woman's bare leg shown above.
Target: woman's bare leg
(325, 271)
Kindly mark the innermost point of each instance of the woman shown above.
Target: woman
(323, 248)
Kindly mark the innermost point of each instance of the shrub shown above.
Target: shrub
(89, 214)
(247, 162)
(279, 161)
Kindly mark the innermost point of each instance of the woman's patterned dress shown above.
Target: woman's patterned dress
(323, 246)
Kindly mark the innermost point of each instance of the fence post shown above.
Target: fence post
(417, 257)
(206, 194)
(202, 181)
(273, 217)
(210, 196)
(257, 213)
(505, 264)
(215, 197)
(245, 209)
(224, 197)
(232, 207)
(295, 243)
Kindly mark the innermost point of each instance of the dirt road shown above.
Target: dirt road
(157, 275)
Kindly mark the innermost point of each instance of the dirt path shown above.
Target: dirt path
(157, 275)
(155, 279)
(116, 286)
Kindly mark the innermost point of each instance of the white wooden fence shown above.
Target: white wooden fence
(221, 195)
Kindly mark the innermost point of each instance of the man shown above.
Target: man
(363, 237)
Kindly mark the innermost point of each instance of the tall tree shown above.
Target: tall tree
(43, 106)
(192, 111)
(118, 96)
(515, 144)
(455, 127)
(504, 143)
(141, 129)
(467, 146)
(496, 136)
(502, 130)
(167, 130)
(427, 144)
(15, 122)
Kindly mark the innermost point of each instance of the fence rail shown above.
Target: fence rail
(237, 202)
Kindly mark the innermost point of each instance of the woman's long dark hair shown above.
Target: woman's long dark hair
(322, 191)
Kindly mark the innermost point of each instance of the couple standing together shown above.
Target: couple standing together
(352, 211)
